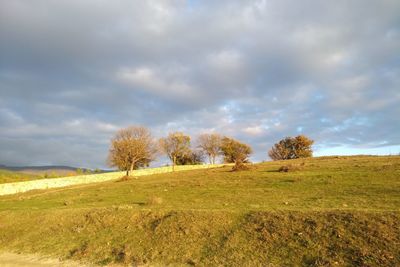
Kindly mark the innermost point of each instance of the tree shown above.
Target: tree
(235, 151)
(292, 148)
(210, 144)
(176, 145)
(132, 148)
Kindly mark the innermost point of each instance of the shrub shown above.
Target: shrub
(289, 168)
(240, 167)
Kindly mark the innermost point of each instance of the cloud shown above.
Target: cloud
(154, 84)
(72, 72)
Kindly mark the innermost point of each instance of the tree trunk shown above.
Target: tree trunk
(173, 163)
(130, 169)
(238, 163)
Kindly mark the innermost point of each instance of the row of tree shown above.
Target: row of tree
(134, 147)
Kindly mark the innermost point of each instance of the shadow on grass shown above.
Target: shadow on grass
(275, 170)
(139, 203)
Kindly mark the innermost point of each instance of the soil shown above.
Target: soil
(24, 260)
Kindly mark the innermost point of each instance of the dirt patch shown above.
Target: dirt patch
(24, 260)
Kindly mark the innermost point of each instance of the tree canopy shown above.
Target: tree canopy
(235, 151)
(132, 148)
(292, 148)
(176, 145)
(210, 144)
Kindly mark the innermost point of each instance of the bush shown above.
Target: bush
(289, 168)
(240, 167)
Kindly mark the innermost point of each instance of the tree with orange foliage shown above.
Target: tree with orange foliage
(292, 148)
(132, 148)
(235, 152)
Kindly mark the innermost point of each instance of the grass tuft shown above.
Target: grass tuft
(154, 200)
(124, 178)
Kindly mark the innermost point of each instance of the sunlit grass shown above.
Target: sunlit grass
(7, 176)
(330, 210)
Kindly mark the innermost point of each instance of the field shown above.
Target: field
(7, 176)
(39, 184)
(11, 176)
(327, 211)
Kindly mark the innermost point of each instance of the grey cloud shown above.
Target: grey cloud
(71, 72)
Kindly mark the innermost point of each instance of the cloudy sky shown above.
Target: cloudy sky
(72, 72)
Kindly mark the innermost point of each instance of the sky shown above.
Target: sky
(73, 72)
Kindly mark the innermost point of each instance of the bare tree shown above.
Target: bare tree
(131, 148)
(176, 145)
(292, 148)
(235, 152)
(210, 144)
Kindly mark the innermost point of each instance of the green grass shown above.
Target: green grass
(7, 176)
(332, 211)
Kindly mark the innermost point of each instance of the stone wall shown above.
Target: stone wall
(19, 187)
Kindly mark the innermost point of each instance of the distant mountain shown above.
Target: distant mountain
(52, 169)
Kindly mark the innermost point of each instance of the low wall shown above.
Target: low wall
(19, 187)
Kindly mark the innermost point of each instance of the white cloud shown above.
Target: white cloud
(154, 82)
(254, 131)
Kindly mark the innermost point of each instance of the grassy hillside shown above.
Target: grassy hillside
(51, 170)
(7, 176)
(330, 211)
(21, 174)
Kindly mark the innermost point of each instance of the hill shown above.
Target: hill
(7, 176)
(50, 170)
(328, 211)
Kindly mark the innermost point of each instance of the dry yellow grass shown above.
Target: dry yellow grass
(341, 211)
